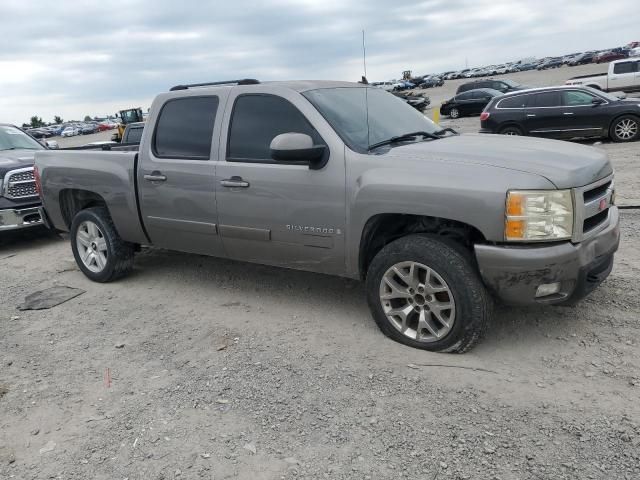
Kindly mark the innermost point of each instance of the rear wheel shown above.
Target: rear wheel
(454, 113)
(511, 130)
(625, 129)
(98, 249)
(424, 291)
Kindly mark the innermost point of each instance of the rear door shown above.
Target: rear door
(480, 100)
(279, 213)
(176, 172)
(544, 116)
(624, 76)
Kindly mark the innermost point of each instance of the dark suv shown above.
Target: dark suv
(503, 85)
(563, 113)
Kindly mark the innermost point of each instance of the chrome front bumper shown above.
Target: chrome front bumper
(14, 219)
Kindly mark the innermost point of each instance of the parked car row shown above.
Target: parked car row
(71, 129)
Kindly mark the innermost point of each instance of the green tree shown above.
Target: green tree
(36, 121)
(87, 118)
(58, 120)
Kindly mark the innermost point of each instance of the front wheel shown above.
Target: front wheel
(424, 292)
(454, 113)
(625, 129)
(97, 247)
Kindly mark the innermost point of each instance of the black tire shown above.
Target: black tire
(511, 130)
(457, 268)
(454, 113)
(119, 254)
(630, 120)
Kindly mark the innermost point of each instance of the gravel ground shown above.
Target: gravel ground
(197, 367)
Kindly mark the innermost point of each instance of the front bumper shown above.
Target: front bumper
(13, 219)
(514, 273)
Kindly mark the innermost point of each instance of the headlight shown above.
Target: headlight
(538, 215)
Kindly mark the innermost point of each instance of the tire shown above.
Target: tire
(511, 130)
(454, 113)
(625, 129)
(109, 257)
(465, 306)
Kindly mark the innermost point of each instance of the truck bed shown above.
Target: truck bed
(111, 174)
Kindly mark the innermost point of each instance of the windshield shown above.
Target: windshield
(12, 138)
(511, 83)
(388, 116)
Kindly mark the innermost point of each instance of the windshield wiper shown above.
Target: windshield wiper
(402, 138)
(445, 130)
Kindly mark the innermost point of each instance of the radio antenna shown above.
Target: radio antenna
(364, 55)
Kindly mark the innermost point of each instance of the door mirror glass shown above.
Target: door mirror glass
(296, 147)
(597, 101)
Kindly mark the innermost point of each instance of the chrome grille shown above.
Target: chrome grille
(592, 204)
(20, 184)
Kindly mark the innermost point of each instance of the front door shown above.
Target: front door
(585, 118)
(176, 174)
(276, 213)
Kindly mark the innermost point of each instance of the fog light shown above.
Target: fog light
(547, 289)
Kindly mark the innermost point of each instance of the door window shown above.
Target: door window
(575, 98)
(547, 99)
(256, 120)
(185, 128)
(625, 67)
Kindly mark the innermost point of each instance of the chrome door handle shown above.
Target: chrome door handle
(531, 115)
(568, 113)
(155, 178)
(234, 182)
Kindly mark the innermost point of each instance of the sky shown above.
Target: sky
(80, 57)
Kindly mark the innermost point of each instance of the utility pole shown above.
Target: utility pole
(364, 55)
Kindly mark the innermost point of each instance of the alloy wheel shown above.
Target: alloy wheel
(92, 246)
(454, 113)
(417, 301)
(626, 129)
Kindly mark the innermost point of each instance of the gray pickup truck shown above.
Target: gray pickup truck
(348, 180)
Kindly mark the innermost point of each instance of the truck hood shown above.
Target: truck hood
(12, 159)
(564, 164)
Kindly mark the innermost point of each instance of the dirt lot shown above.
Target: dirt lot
(226, 370)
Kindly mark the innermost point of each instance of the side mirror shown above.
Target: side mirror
(52, 145)
(597, 101)
(298, 147)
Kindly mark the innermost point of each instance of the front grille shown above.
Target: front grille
(20, 184)
(593, 222)
(592, 208)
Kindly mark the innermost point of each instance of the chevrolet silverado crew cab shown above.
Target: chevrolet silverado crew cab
(19, 202)
(622, 76)
(349, 180)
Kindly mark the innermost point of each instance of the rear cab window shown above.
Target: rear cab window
(184, 129)
(625, 67)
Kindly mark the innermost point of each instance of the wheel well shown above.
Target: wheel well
(73, 200)
(383, 229)
(620, 116)
(509, 124)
